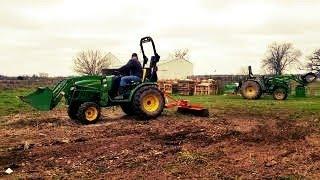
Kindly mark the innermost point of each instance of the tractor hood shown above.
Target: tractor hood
(90, 83)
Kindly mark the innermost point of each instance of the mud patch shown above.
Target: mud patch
(220, 147)
(194, 135)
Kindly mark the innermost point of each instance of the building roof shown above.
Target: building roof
(168, 61)
(115, 62)
(113, 58)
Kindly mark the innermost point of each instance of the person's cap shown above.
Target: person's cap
(134, 55)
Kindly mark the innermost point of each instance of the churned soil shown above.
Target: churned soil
(223, 146)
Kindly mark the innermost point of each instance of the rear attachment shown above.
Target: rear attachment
(185, 107)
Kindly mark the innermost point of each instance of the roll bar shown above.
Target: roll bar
(155, 58)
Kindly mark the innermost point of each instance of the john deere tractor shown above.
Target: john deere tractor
(86, 95)
(278, 86)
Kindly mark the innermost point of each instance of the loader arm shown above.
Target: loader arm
(45, 99)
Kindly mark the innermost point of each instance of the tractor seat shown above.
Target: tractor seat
(124, 92)
(134, 83)
(116, 84)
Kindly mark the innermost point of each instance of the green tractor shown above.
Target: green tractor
(85, 95)
(278, 86)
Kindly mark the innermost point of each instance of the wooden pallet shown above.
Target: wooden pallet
(185, 87)
(166, 86)
(206, 87)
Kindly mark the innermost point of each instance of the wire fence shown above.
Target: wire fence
(29, 83)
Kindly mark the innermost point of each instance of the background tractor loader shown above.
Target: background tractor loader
(278, 86)
(85, 95)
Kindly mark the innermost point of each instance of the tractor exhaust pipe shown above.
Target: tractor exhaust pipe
(250, 72)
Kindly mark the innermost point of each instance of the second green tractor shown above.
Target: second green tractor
(278, 86)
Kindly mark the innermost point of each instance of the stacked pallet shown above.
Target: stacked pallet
(206, 87)
(185, 87)
(166, 86)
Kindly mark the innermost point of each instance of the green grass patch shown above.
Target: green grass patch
(293, 106)
(10, 104)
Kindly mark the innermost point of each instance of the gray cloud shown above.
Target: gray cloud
(221, 35)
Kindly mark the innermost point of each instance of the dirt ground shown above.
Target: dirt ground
(223, 146)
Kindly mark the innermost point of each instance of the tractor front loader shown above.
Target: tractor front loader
(85, 95)
(278, 86)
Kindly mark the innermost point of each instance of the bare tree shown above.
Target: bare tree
(314, 60)
(180, 54)
(280, 57)
(90, 62)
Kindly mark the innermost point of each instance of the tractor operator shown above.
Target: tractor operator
(132, 72)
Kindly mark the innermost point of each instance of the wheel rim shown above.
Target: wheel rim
(91, 113)
(279, 95)
(250, 91)
(151, 103)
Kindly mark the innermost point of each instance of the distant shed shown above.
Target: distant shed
(175, 69)
(114, 61)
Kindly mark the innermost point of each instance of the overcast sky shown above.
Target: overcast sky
(223, 36)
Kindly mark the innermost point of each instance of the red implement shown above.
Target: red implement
(185, 107)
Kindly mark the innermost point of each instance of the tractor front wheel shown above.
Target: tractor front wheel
(73, 110)
(280, 94)
(148, 102)
(251, 90)
(89, 112)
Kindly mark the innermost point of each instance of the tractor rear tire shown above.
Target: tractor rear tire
(73, 110)
(251, 90)
(148, 102)
(89, 113)
(127, 108)
(280, 94)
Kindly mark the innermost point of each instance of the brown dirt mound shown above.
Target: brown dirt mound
(49, 145)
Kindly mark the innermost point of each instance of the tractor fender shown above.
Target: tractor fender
(262, 84)
(140, 86)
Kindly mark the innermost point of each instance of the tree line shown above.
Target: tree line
(279, 58)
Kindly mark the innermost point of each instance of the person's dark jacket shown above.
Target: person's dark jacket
(132, 68)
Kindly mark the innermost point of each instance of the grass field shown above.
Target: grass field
(265, 106)
(10, 104)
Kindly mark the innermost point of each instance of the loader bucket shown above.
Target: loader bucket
(41, 99)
